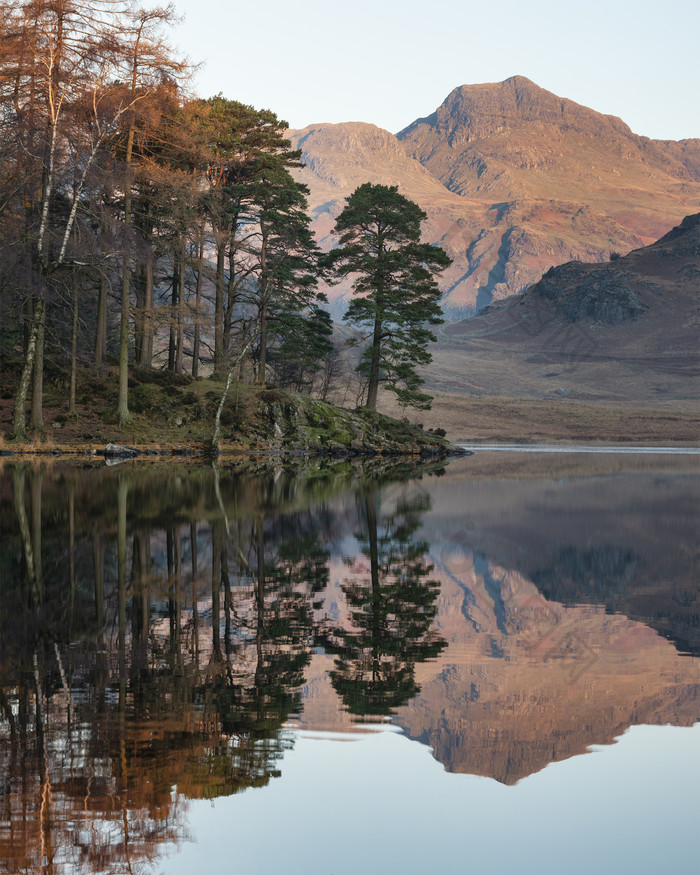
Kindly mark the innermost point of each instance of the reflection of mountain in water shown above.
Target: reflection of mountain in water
(609, 575)
(538, 667)
(526, 681)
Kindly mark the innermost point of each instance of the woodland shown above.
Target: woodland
(144, 228)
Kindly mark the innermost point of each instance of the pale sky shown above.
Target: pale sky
(389, 62)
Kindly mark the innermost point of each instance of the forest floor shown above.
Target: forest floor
(176, 413)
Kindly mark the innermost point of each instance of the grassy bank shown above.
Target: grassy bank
(176, 413)
(490, 418)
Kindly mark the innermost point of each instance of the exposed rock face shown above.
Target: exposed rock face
(514, 180)
(513, 135)
(602, 295)
(287, 421)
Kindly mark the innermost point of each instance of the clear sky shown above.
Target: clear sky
(391, 61)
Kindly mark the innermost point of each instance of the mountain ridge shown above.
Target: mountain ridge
(514, 181)
(624, 329)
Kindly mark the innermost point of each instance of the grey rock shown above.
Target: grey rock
(120, 452)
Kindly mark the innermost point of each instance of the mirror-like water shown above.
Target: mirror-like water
(492, 667)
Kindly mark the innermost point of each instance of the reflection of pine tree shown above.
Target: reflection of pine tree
(279, 628)
(392, 612)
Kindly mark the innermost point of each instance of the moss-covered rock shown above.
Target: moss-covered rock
(293, 422)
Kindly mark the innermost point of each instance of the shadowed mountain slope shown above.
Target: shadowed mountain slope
(626, 329)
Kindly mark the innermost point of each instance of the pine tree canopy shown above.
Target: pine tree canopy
(396, 294)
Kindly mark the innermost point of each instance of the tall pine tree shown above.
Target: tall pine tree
(396, 295)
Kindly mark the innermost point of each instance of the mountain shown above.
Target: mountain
(340, 157)
(626, 329)
(514, 180)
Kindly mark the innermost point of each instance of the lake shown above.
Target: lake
(487, 665)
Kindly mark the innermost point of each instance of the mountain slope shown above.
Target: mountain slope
(514, 180)
(341, 157)
(626, 329)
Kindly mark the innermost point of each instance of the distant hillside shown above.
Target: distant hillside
(514, 180)
(341, 157)
(626, 329)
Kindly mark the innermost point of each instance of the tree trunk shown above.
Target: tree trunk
(219, 310)
(172, 343)
(123, 404)
(19, 425)
(197, 309)
(217, 418)
(262, 312)
(180, 344)
(372, 391)
(146, 359)
(74, 347)
(37, 416)
(101, 331)
(139, 315)
(230, 301)
(262, 357)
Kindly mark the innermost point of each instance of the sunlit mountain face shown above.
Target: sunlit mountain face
(514, 180)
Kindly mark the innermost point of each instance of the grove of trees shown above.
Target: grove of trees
(144, 228)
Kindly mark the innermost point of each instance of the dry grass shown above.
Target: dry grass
(502, 419)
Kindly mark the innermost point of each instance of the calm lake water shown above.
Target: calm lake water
(491, 666)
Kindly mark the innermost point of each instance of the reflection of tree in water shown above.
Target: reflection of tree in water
(255, 684)
(392, 604)
(129, 666)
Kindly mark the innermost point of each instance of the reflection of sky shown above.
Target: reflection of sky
(381, 804)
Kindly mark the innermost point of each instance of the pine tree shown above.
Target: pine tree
(396, 295)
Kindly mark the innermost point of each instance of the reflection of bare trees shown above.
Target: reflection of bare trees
(155, 632)
(141, 651)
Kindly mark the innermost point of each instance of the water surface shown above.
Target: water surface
(333, 669)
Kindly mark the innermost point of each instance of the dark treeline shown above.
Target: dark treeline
(140, 226)
(156, 630)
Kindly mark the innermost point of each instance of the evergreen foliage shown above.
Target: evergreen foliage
(396, 295)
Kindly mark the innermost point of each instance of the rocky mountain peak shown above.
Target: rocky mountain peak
(474, 112)
(365, 149)
(514, 180)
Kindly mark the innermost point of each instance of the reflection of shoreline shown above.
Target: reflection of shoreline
(206, 641)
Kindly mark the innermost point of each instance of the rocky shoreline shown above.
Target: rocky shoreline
(269, 422)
